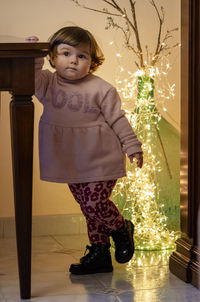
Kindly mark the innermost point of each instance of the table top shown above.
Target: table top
(18, 43)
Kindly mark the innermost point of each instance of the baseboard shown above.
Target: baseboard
(184, 262)
(65, 224)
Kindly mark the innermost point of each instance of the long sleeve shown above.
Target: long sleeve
(115, 117)
(41, 79)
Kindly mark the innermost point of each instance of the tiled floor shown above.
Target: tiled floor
(146, 278)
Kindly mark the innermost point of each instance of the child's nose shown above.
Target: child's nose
(74, 59)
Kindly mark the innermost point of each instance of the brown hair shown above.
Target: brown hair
(74, 36)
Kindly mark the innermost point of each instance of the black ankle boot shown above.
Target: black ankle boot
(124, 244)
(98, 260)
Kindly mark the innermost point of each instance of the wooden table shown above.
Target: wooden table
(17, 76)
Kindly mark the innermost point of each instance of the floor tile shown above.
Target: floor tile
(8, 247)
(8, 265)
(71, 298)
(185, 293)
(146, 278)
(44, 244)
(59, 283)
(1, 297)
(77, 242)
(9, 284)
(51, 262)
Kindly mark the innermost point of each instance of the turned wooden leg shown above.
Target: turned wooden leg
(22, 119)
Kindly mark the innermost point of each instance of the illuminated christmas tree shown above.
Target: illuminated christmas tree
(137, 195)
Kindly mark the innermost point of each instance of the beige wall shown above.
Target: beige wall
(23, 18)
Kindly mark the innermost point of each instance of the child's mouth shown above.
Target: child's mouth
(71, 68)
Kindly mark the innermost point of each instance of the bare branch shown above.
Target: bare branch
(156, 58)
(135, 28)
(164, 46)
(123, 14)
(170, 47)
(109, 3)
(131, 29)
(168, 34)
(137, 65)
(126, 33)
(116, 5)
(161, 21)
(147, 53)
(103, 11)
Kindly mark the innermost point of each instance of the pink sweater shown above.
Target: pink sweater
(83, 133)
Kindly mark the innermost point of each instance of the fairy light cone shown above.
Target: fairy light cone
(138, 193)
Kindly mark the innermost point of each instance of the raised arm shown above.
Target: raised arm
(41, 76)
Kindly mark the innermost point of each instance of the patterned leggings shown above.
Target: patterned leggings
(102, 216)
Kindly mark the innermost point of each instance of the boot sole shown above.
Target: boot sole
(130, 255)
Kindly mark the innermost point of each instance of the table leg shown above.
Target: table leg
(22, 119)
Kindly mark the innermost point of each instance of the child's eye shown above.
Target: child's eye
(82, 56)
(66, 53)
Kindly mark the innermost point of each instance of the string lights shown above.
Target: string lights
(137, 195)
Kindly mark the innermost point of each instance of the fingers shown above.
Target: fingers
(140, 163)
(131, 158)
(138, 157)
(32, 39)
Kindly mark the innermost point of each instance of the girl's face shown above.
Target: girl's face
(72, 63)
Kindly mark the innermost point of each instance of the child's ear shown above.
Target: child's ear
(92, 66)
(51, 59)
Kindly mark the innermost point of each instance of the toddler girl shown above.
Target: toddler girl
(83, 138)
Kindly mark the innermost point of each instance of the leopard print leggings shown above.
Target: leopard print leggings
(102, 216)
